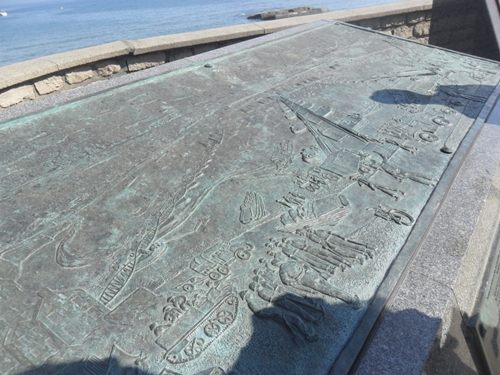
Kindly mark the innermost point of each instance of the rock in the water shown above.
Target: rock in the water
(285, 13)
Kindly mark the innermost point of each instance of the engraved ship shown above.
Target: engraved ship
(143, 251)
(317, 124)
(162, 223)
(314, 122)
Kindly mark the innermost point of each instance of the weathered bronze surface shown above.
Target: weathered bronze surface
(234, 216)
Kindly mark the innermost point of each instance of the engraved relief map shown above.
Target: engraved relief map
(235, 217)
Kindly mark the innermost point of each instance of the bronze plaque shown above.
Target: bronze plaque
(234, 217)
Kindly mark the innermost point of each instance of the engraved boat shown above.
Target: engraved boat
(3, 13)
(118, 282)
(312, 121)
(143, 251)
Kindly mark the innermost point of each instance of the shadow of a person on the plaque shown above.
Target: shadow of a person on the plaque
(465, 99)
(278, 347)
(290, 335)
(108, 366)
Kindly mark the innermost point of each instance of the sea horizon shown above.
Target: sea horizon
(36, 28)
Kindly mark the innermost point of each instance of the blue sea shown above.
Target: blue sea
(36, 28)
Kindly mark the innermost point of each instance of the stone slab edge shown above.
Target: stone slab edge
(405, 331)
(25, 71)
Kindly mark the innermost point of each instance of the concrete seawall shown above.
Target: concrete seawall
(414, 20)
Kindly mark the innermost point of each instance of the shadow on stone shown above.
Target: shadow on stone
(454, 350)
(109, 366)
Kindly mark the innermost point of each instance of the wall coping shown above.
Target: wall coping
(14, 74)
